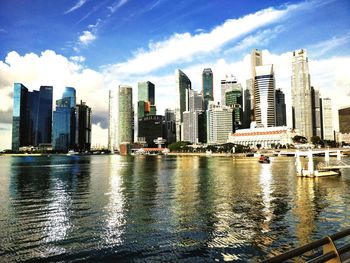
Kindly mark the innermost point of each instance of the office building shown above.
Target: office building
(113, 131)
(227, 84)
(170, 126)
(82, 127)
(316, 112)
(248, 104)
(146, 99)
(32, 116)
(151, 127)
(326, 119)
(63, 125)
(219, 123)
(207, 87)
(234, 100)
(183, 84)
(301, 94)
(264, 96)
(125, 112)
(281, 119)
(344, 120)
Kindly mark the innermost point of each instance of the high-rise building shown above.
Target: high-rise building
(146, 92)
(326, 119)
(32, 116)
(344, 120)
(151, 127)
(316, 112)
(113, 131)
(227, 84)
(301, 94)
(281, 119)
(125, 115)
(219, 123)
(82, 127)
(207, 86)
(63, 125)
(248, 104)
(183, 84)
(264, 96)
(170, 126)
(256, 60)
(234, 100)
(195, 100)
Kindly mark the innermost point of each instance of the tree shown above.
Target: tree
(299, 139)
(258, 146)
(316, 140)
(177, 146)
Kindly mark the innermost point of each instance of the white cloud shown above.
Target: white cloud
(78, 59)
(322, 48)
(180, 47)
(116, 5)
(79, 4)
(87, 37)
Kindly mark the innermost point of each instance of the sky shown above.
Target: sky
(95, 46)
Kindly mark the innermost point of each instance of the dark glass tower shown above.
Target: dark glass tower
(83, 127)
(32, 116)
(281, 119)
(207, 86)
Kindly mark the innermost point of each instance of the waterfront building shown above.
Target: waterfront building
(327, 130)
(63, 125)
(32, 116)
(151, 127)
(264, 96)
(183, 84)
(219, 123)
(125, 112)
(248, 104)
(170, 126)
(82, 127)
(316, 112)
(227, 84)
(265, 137)
(113, 131)
(234, 100)
(207, 87)
(301, 94)
(256, 60)
(145, 91)
(344, 120)
(281, 119)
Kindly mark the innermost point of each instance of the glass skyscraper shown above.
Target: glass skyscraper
(183, 84)
(234, 100)
(32, 116)
(280, 108)
(207, 86)
(125, 115)
(63, 133)
(82, 127)
(146, 92)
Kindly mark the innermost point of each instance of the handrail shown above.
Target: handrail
(330, 251)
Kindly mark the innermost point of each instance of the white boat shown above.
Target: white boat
(71, 152)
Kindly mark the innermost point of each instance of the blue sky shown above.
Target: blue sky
(97, 45)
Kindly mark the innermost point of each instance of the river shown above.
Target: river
(162, 208)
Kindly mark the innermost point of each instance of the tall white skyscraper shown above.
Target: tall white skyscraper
(191, 117)
(327, 119)
(113, 120)
(301, 93)
(264, 96)
(219, 123)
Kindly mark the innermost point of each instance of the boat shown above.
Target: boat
(71, 152)
(264, 159)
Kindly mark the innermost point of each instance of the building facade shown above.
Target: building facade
(82, 127)
(125, 112)
(327, 130)
(316, 112)
(344, 120)
(170, 126)
(32, 116)
(183, 84)
(234, 100)
(264, 96)
(281, 119)
(150, 128)
(113, 131)
(301, 94)
(219, 123)
(207, 87)
(226, 85)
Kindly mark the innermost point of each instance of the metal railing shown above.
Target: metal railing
(331, 253)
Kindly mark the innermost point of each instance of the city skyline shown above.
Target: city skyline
(214, 43)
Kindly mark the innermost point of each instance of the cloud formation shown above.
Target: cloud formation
(78, 4)
(87, 37)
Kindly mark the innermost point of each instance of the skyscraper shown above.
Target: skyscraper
(226, 84)
(82, 127)
(248, 104)
(146, 92)
(264, 96)
(316, 112)
(256, 61)
(125, 115)
(170, 126)
(234, 100)
(32, 116)
(183, 84)
(113, 131)
(326, 119)
(301, 94)
(344, 120)
(281, 119)
(63, 125)
(207, 86)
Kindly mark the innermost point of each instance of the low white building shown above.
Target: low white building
(263, 136)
